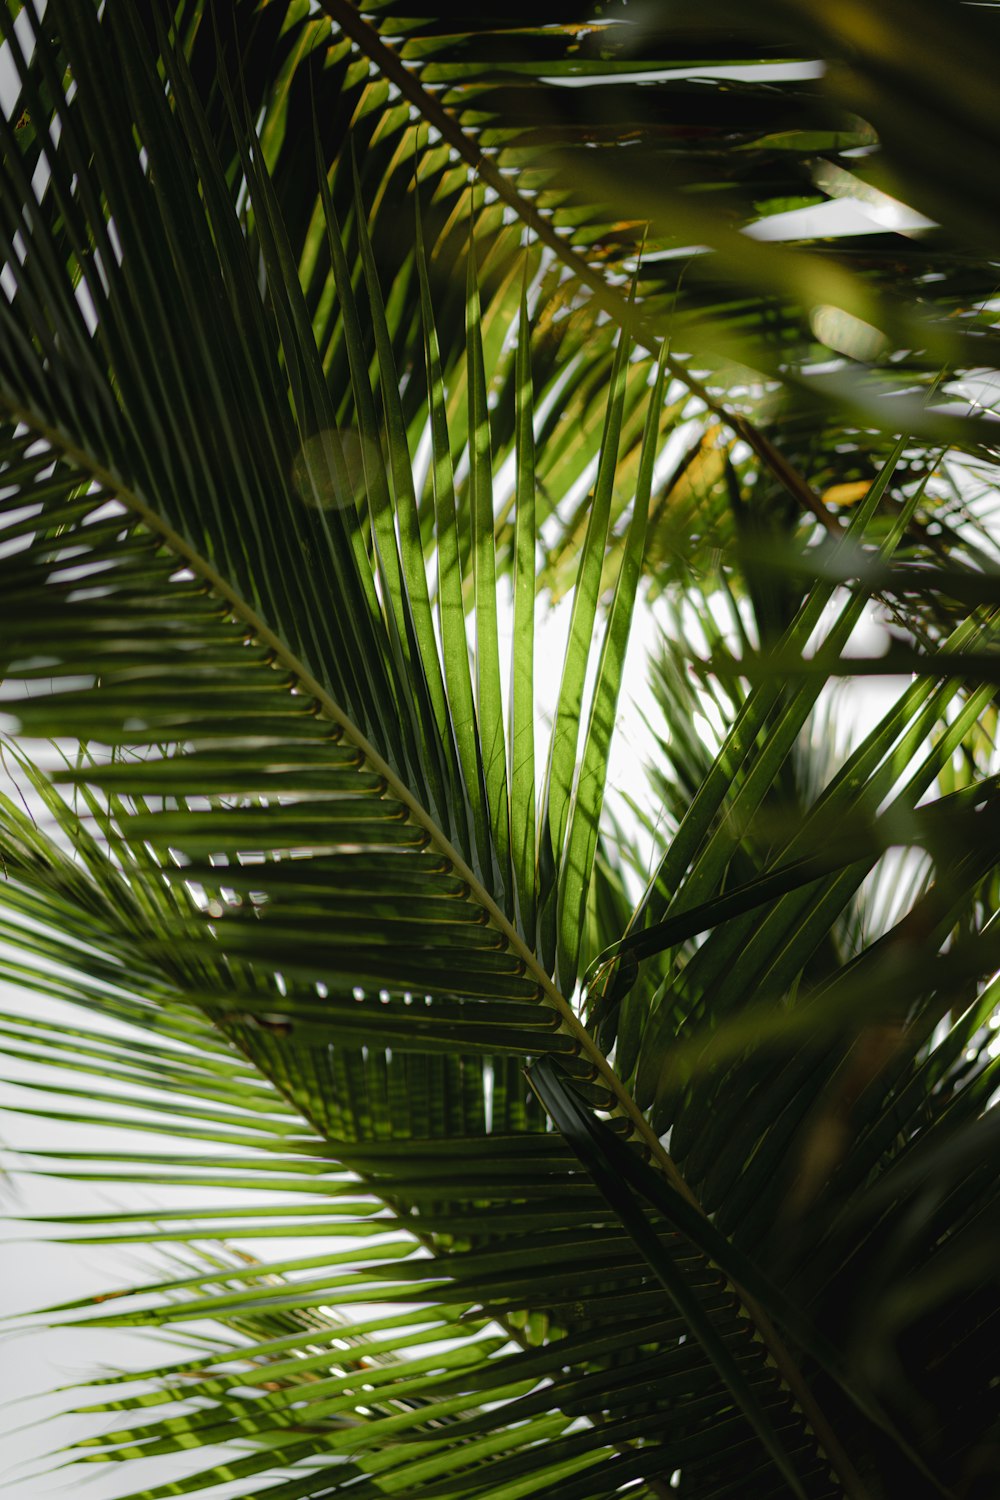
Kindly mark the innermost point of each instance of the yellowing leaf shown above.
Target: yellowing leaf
(847, 494)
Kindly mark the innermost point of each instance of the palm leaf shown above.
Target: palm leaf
(297, 855)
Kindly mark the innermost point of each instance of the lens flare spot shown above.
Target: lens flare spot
(847, 334)
(329, 470)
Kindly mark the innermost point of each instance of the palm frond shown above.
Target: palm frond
(265, 456)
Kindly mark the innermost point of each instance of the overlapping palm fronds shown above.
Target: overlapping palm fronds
(284, 393)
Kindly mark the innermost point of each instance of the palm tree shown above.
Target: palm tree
(316, 318)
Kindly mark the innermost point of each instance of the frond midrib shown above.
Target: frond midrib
(608, 297)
